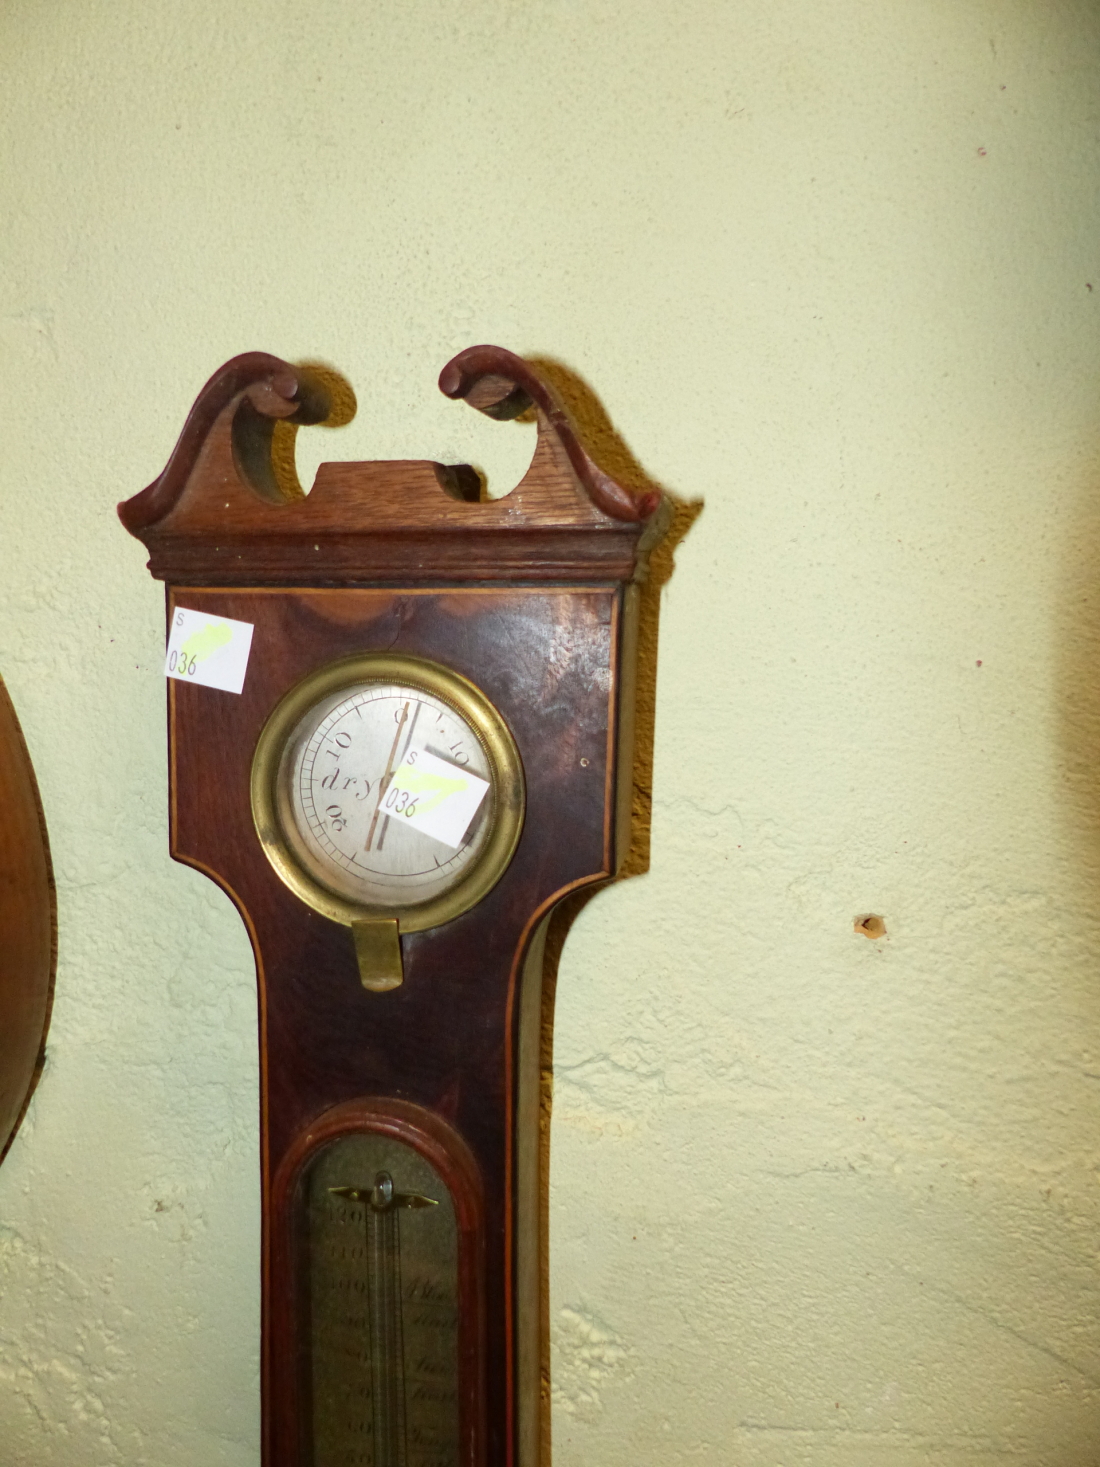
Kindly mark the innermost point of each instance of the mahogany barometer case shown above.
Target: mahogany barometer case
(430, 749)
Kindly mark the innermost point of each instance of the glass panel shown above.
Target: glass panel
(383, 1307)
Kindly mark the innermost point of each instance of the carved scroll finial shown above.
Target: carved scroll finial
(502, 385)
(270, 389)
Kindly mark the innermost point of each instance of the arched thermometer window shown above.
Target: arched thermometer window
(383, 1307)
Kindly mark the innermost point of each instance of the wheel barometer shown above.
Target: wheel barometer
(418, 742)
(387, 792)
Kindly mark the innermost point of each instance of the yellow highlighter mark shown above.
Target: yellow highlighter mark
(428, 790)
(202, 644)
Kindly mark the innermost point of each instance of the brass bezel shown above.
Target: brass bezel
(470, 703)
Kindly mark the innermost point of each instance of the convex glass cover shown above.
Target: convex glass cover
(387, 785)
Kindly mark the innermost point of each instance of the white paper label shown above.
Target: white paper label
(212, 650)
(435, 797)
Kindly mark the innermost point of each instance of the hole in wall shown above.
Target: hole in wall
(870, 926)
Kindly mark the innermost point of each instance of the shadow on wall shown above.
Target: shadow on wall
(608, 449)
(1076, 630)
(606, 446)
(284, 434)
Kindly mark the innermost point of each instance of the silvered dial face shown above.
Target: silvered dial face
(334, 776)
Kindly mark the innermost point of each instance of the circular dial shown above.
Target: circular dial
(352, 801)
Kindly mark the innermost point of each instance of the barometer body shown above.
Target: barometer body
(431, 749)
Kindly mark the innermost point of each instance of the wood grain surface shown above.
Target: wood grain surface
(447, 1040)
(27, 926)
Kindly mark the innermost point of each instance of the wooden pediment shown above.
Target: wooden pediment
(218, 516)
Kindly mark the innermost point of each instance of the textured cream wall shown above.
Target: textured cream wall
(816, 1200)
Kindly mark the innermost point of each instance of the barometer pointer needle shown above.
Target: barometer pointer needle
(401, 760)
(384, 781)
